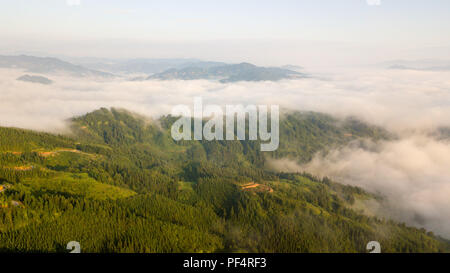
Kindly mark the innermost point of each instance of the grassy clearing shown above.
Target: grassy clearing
(76, 185)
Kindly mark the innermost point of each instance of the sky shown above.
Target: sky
(262, 32)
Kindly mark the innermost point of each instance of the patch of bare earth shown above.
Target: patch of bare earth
(256, 187)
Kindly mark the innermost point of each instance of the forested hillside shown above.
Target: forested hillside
(120, 183)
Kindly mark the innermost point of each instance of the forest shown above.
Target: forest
(120, 183)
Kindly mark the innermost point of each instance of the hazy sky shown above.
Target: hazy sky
(261, 31)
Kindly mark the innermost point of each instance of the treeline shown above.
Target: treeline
(12, 139)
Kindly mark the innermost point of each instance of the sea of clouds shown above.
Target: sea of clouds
(413, 171)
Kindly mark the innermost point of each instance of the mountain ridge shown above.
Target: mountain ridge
(35, 79)
(229, 73)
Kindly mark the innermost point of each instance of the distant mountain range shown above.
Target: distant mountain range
(147, 66)
(433, 68)
(35, 79)
(229, 73)
(161, 69)
(47, 65)
(193, 69)
(423, 65)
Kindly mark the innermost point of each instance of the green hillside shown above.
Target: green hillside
(120, 183)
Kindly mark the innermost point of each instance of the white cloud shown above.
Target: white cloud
(413, 173)
(72, 3)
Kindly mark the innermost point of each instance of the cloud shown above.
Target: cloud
(413, 173)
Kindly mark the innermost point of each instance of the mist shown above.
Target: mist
(412, 172)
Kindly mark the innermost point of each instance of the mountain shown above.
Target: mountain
(422, 65)
(135, 66)
(46, 65)
(228, 73)
(146, 66)
(35, 79)
(120, 183)
(441, 133)
(433, 68)
(292, 67)
(190, 69)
